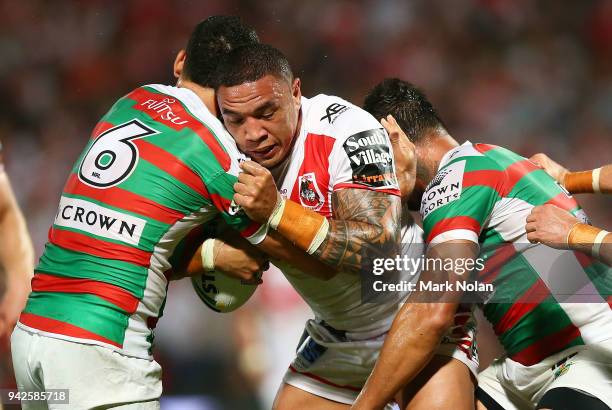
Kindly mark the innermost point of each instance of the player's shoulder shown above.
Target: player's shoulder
(336, 117)
(469, 157)
(465, 161)
(177, 106)
(178, 109)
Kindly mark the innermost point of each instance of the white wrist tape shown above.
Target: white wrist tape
(277, 214)
(595, 176)
(208, 255)
(597, 242)
(319, 238)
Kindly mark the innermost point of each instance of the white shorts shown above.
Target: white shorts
(95, 376)
(333, 365)
(584, 368)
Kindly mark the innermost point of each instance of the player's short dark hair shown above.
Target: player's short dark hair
(409, 105)
(210, 40)
(252, 62)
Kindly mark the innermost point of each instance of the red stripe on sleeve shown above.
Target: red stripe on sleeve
(82, 243)
(55, 326)
(111, 293)
(456, 222)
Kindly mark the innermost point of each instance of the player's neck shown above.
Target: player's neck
(206, 94)
(431, 151)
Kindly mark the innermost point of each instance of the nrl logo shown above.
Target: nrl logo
(310, 195)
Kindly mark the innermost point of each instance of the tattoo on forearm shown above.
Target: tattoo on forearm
(365, 226)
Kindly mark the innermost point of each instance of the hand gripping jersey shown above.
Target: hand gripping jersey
(339, 146)
(158, 165)
(484, 194)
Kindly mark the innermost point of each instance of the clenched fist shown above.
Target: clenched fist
(256, 191)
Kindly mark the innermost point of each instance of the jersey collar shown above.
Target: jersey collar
(447, 157)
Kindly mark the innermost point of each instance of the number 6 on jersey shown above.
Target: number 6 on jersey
(113, 155)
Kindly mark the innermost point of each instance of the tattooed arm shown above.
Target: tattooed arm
(365, 225)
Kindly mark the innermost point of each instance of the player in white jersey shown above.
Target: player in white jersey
(334, 159)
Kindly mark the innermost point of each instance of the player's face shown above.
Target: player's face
(262, 116)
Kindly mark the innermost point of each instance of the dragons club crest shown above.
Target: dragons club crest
(310, 195)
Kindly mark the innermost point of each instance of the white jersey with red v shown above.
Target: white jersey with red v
(339, 146)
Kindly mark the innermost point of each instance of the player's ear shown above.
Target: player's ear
(296, 92)
(179, 63)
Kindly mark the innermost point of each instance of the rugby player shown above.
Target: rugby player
(474, 200)
(339, 200)
(16, 256)
(158, 167)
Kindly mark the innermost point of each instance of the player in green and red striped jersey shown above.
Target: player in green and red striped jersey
(474, 200)
(158, 166)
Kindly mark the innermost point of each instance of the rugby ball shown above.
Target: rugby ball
(220, 292)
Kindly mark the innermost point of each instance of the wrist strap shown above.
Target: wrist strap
(208, 255)
(579, 182)
(277, 213)
(589, 235)
(598, 241)
(596, 174)
(303, 227)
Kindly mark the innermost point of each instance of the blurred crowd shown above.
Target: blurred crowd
(529, 75)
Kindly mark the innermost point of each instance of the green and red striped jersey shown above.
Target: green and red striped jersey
(545, 299)
(158, 166)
